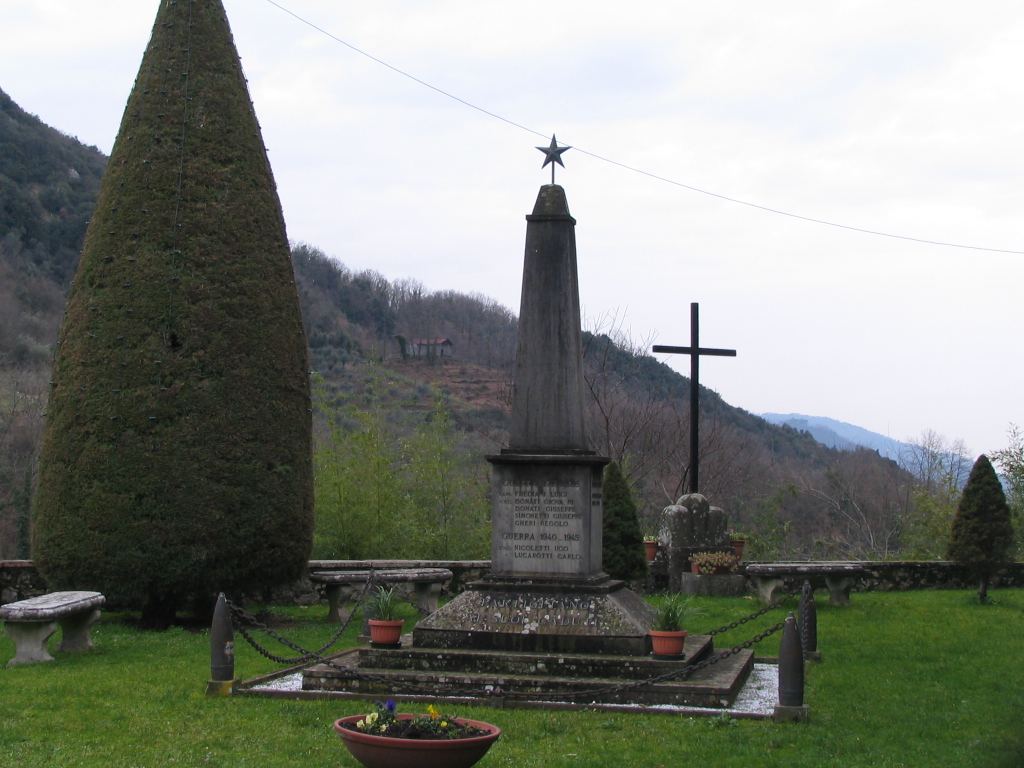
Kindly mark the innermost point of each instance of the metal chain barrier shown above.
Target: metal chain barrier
(681, 674)
(238, 616)
(755, 614)
(317, 656)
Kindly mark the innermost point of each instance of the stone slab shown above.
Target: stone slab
(340, 586)
(51, 606)
(411, 575)
(840, 577)
(714, 686)
(697, 647)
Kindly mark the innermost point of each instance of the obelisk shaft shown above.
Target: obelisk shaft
(546, 591)
(547, 406)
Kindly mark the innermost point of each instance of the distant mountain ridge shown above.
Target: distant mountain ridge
(839, 434)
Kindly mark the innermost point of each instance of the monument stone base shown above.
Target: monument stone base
(554, 616)
(488, 677)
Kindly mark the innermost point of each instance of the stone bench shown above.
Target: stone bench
(341, 585)
(770, 578)
(31, 623)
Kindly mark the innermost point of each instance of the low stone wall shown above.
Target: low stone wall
(906, 575)
(897, 576)
(879, 576)
(20, 580)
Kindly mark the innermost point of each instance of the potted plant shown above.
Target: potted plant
(705, 563)
(667, 633)
(651, 545)
(652, 541)
(385, 626)
(386, 739)
(738, 542)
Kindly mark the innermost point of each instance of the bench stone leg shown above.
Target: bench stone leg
(839, 589)
(768, 587)
(426, 597)
(30, 641)
(75, 635)
(339, 602)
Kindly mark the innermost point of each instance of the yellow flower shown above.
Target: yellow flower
(433, 712)
(361, 724)
(444, 723)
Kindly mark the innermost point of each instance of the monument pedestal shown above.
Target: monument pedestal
(546, 590)
(554, 616)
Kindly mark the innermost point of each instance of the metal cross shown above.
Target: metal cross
(553, 154)
(694, 351)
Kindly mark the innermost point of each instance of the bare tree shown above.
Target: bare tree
(940, 467)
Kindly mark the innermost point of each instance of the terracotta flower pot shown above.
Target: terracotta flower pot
(385, 632)
(667, 643)
(737, 547)
(383, 752)
(651, 549)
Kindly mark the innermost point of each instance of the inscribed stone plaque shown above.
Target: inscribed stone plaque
(546, 520)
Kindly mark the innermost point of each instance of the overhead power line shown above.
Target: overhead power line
(655, 176)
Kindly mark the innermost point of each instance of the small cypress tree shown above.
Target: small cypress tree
(982, 532)
(623, 548)
(176, 459)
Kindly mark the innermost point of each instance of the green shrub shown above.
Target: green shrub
(623, 544)
(982, 534)
(176, 459)
(395, 484)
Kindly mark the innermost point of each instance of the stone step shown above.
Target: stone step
(714, 686)
(442, 660)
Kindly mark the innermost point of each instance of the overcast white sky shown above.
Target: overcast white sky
(905, 117)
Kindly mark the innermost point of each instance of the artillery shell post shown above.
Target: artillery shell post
(222, 652)
(791, 707)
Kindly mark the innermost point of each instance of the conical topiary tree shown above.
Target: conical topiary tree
(982, 532)
(176, 459)
(623, 547)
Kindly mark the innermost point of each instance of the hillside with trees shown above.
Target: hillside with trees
(425, 412)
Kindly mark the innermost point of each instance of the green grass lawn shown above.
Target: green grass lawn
(911, 679)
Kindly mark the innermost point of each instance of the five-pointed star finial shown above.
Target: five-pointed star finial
(553, 154)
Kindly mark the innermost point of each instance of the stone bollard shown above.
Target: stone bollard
(222, 651)
(791, 707)
(808, 622)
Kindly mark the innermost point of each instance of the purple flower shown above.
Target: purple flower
(391, 706)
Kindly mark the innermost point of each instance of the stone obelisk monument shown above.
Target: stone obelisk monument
(546, 590)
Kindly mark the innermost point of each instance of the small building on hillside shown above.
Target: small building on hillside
(431, 347)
